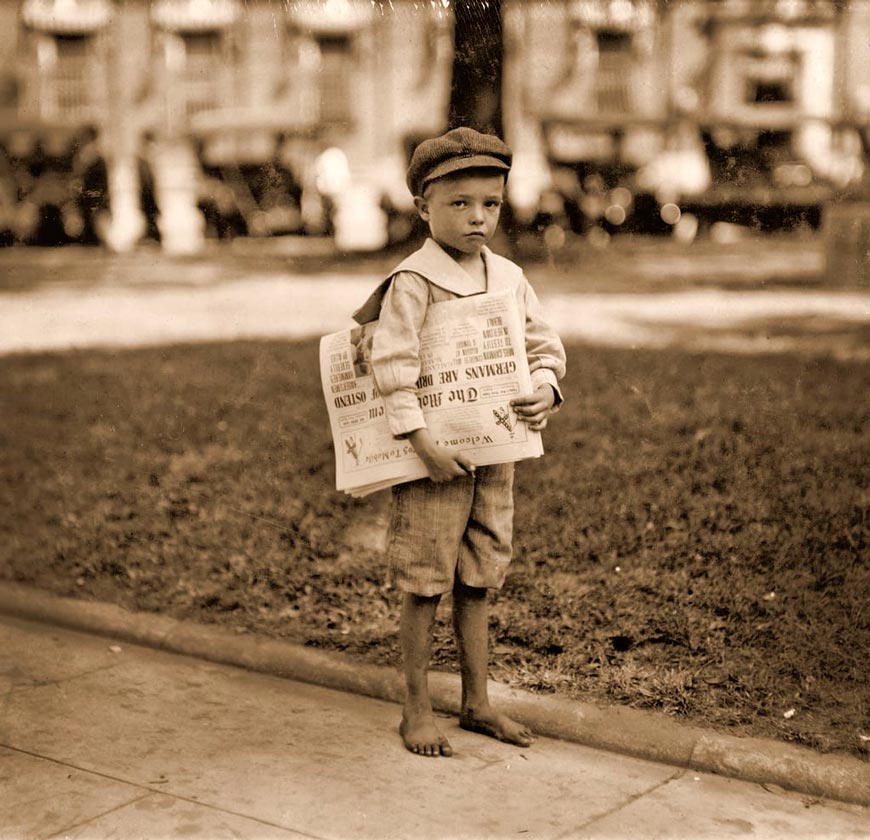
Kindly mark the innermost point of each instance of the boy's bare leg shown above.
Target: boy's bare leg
(418, 729)
(470, 621)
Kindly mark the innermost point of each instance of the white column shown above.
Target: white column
(176, 170)
(530, 174)
(360, 223)
(126, 224)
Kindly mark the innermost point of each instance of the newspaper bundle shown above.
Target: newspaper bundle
(473, 362)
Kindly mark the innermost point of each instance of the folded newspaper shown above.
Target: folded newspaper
(473, 362)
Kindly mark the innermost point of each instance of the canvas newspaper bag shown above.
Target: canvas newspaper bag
(473, 362)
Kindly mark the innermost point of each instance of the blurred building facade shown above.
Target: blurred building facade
(747, 106)
(188, 118)
(217, 116)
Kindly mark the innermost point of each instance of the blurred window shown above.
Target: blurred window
(768, 79)
(202, 72)
(68, 79)
(766, 91)
(335, 78)
(615, 66)
(71, 74)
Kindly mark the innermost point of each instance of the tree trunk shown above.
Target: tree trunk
(475, 95)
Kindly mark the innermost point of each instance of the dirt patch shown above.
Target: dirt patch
(695, 539)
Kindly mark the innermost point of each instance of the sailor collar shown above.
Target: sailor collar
(433, 263)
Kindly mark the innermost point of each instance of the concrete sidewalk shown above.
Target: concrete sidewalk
(143, 304)
(101, 739)
(266, 307)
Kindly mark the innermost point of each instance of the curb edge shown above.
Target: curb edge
(642, 734)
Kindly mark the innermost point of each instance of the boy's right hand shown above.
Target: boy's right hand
(443, 464)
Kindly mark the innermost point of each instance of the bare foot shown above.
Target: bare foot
(488, 721)
(421, 735)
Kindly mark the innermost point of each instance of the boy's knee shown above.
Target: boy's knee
(463, 590)
(421, 601)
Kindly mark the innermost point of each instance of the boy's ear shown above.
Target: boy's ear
(422, 207)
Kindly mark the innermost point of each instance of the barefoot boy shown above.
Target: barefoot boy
(452, 532)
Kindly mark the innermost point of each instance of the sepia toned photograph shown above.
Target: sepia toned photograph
(434, 419)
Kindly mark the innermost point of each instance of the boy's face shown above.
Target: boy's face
(462, 212)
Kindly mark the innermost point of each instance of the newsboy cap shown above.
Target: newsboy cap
(461, 148)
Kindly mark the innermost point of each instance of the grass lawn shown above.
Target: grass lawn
(695, 540)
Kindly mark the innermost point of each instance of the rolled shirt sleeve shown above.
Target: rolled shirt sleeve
(544, 348)
(396, 351)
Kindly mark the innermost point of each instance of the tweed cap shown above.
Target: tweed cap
(461, 148)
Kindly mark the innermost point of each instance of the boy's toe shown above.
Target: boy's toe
(424, 739)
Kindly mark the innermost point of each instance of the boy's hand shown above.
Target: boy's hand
(535, 408)
(446, 464)
(442, 463)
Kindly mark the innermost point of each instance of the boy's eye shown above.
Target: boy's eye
(493, 203)
(459, 203)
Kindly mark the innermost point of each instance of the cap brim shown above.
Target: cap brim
(459, 163)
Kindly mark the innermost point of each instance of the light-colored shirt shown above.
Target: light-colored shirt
(431, 275)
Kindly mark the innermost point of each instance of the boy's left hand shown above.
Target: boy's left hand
(534, 408)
